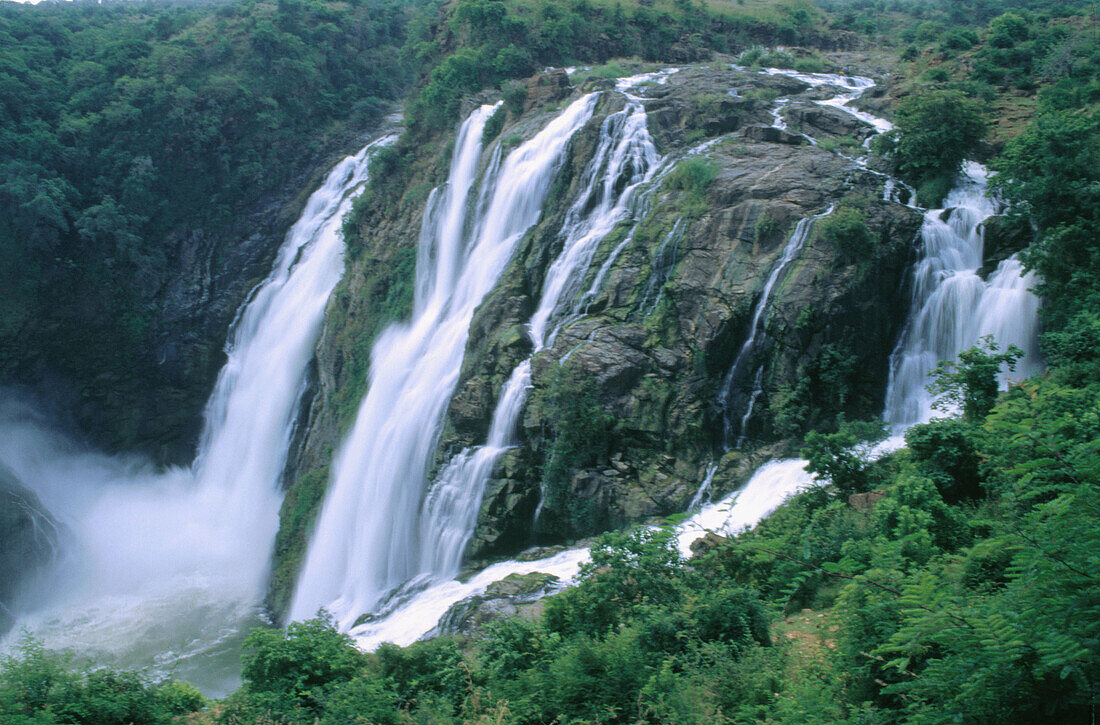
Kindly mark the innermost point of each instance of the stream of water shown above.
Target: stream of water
(165, 569)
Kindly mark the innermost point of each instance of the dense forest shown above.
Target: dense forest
(131, 130)
(955, 580)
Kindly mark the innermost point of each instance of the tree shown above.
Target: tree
(299, 666)
(842, 457)
(971, 382)
(935, 130)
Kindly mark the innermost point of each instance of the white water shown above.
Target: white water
(413, 610)
(756, 335)
(369, 541)
(624, 160)
(663, 261)
(703, 493)
(451, 507)
(952, 307)
(169, 566)
(417, 614)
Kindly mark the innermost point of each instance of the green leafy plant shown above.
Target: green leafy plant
(970, 383)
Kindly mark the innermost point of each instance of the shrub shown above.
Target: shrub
(627, 571)
(946, 451)
(970, 384)
(693, 175)
(299, 666)
(41, 687)
(515, 96)
(767, 227)
(580, 433)
(935, 129)
(842, 457)
(494, 125)
(846, 230)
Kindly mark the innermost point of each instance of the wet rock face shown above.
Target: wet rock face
(770, 134)
(30, 539)
(675, 307)
(818, 121)
(515, 594)
(626, 395)
(546, 88)
(1004, 236)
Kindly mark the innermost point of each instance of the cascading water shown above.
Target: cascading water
(450, 508)
(756, 337)
(368, 541)
(169, 566)
(702, 494)
(624, 160)
(417, 616)
(664, 260)
(625, 163)
(953, 307)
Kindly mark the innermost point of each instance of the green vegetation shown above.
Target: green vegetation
(693, 176)
(40, 687)
(846, 230)
(767, 228)
(841, 458)
(296, 517)
(960, 575)
(130, 130)
(578, 434)
(935, 130)
(486, 42)
(971, 383)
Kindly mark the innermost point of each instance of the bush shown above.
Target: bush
(580, 433)
(846, 230)
(935, 129)
(40, 687)
(515, 96)
(946, 451)
(295, 669)
(767, 227)
(970, 384)
(693, 175)
(627, 571)
(494, 125)
(842, 457)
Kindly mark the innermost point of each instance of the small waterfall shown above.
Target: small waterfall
(953, 307)
(704, 491)
(170, 565)
(664, 261)
(757, 337)
(368, 541)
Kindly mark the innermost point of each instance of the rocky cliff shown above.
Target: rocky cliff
(629, 389)
(29, 539)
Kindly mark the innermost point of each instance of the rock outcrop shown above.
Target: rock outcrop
(643, 366)
(30, 538)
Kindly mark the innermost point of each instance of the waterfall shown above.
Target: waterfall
(664, 261)
(416, 616)
(757, 337)
(704, 491)
(171, 564)
(368, 545)
(953, 307)
(624, 160)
